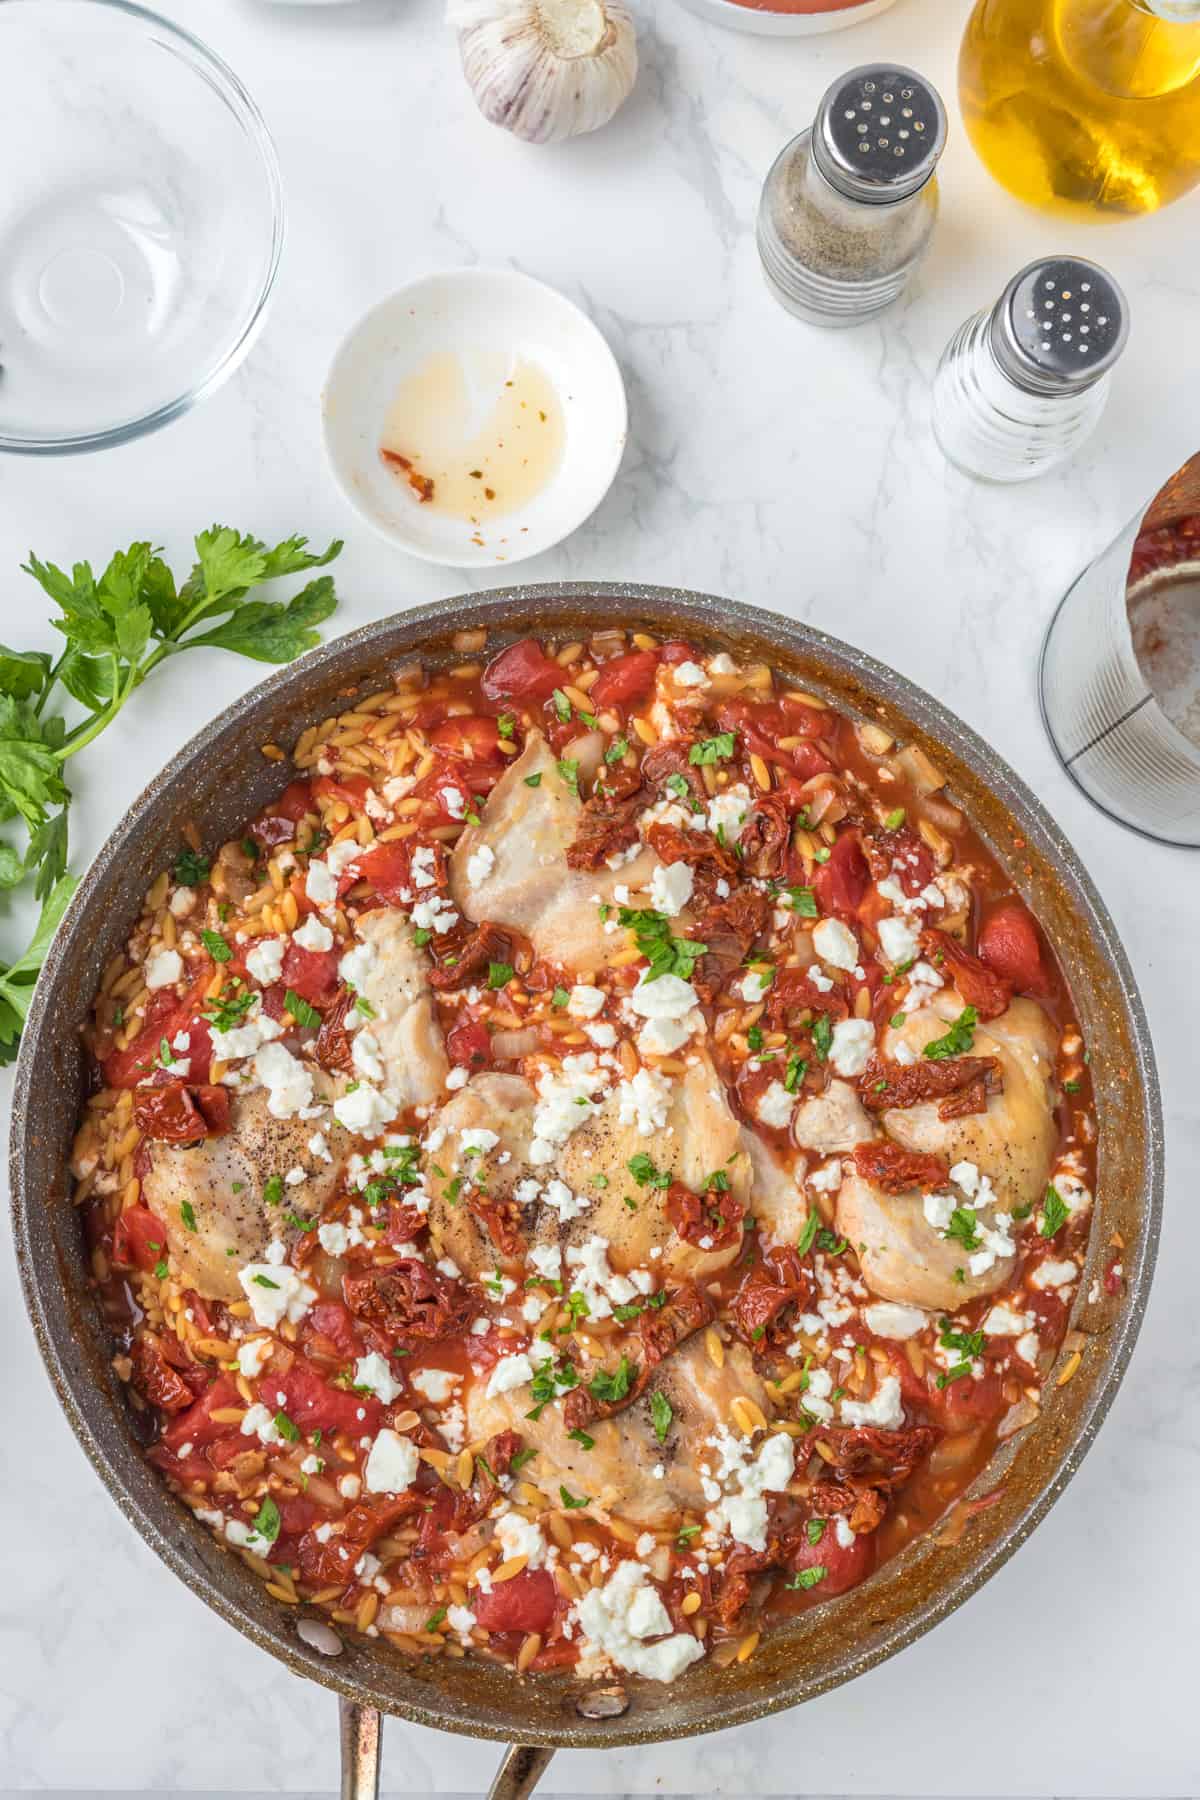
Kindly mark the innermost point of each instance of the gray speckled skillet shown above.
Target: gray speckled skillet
(219, 780)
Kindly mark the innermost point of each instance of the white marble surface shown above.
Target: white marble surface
(767, 461)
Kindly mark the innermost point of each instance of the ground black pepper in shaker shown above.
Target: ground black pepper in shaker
(849, 206)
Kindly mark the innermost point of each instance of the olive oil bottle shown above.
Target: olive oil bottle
(1085, 106)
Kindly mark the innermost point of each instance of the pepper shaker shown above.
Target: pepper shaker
(1021, 385)
(849, 206)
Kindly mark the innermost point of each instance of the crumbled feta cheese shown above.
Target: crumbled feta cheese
(728, 812)
(743, 1510)
(288, 1081)
(163, 970)
(258, 1422)
(616, 1619)
(320, 883)
(671, 888)
(365, 1055)
(835, 944)
(851, 1046)
(1003, 1321)
(480, 864)
(435, 1384)
(182, 901)
(585, 1002)
(690, 674)
(827, 1177)
(265, 961)
(882, 1409)
(645, 1102)
(566, 1098)
(1053, 1275)
(392, 1463)
(357, 964)
(559, 1198)
(662, 997)
(660, 1037)
(898, 941)
(423, 866)
(435, 914)
(372, 1372)
(1029, 1347)
(755, 986)
(593, 1276)
(775, 1106)
(314, 934)
(252, 1357)
(890, 1319)
(455, 802)
(519, 1536)
(364, 1109)
(603, 1035)
(546, 1260)
(510, 1372)
(477, 1141)
(318, 1146)
(275, 1293)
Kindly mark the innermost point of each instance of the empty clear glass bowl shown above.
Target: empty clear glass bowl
(141, 223)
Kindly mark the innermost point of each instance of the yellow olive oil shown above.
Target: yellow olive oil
(1085, 106)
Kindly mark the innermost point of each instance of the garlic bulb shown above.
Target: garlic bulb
(546, 69)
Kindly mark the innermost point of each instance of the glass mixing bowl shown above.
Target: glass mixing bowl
(141, 223)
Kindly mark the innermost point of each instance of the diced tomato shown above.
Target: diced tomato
(962, 1403)
(139, 1239)
(759, 728)
(197, 1426)
(277, 823)
(844, 1567)
(469, 1044)
(313, 1405)
(841, 883)
(625, 678)
(175, 1113)
(471, 737)
(352, 789)
(388, 866)
(525, 1603)
(166, 1015)
(1008, 943)
(298, 1515)
(313, 974)
(679, 652)
(522, 672)
(331, 1319)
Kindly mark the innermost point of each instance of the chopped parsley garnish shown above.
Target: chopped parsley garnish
(969, 1343)
(895, 820)
(273, 1190)
(808, 1236)
(661, 1412)
(959, 1038)
(678, 785)
(568, 768)
(436, 1618)
(964, 1228)
(264, 1281)
(832, 1246)
(800, 900)
(613, 1384)
(299, 1224)
(216, 946)
(533, 780)
(500, 974)
(286, 1428)
(957, 1373)
(191, 868)
(1072, 1087)
(616, 750)
(188, 1214)
(161, 1269)
(421, 936)
(807, 1578)
(560, 997)
(580, 1436)
(166, 1055)
(562, 706)
(822, 1036)
(548, 1382)
(524, 1455)
(797, 1069)
(506, 725)
(685, 1534)
(814, 1531)
(363, 1005)
(667, 955)
(267, 1521)
(821, 855)
(570, 1502)
(897, 1020)
(1055, 1212)
(230, 1008)
(645, 1171)
(754, 1038)
(306, 1016)
(712, 750)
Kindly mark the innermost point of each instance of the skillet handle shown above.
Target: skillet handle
(520, 1772)
(361, 1732)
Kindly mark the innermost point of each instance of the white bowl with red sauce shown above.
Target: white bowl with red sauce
(787, 18)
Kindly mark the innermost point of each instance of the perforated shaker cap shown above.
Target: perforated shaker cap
(878, 133)
(1060, 324)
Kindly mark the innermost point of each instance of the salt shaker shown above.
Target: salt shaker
(849, 206)
(1020, 386)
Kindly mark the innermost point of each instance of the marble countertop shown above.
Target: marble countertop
(768, 461)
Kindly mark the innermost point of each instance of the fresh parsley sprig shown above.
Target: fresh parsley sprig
(118, 627)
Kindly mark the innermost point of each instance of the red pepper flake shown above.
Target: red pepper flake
(422, 485)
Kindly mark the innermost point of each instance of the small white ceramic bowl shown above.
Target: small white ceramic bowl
(816, 17)
(465, 312)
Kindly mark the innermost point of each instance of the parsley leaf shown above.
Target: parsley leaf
(305, 1015)
(1055, 1213)
(712, 750)
(608, 1385)
(191, 868)
(500, 974)
(570, 1502)
(807, 1578)
(646, 1172)
(662, 1413)
(959, 1038)
(667, 955)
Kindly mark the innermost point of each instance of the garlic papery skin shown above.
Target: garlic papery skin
(546, 69)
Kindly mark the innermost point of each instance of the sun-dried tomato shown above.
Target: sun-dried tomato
(957, 1081)
(709, 1221)
(488, 943)
(866, 1456)
(980, 987)
(155, 1378)
(335, 1560)
(408, 1302)
(863, 1508)
(793, 992)
(501, 1219)
(686, 1310)
(894, 1169)
(779, 1285)
(608, 819)
(334, 1046)
(175, 1113)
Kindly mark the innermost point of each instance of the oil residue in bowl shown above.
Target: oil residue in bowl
(476, 436)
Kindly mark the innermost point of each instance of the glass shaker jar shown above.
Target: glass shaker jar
(849, 206)
(1021, 385)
